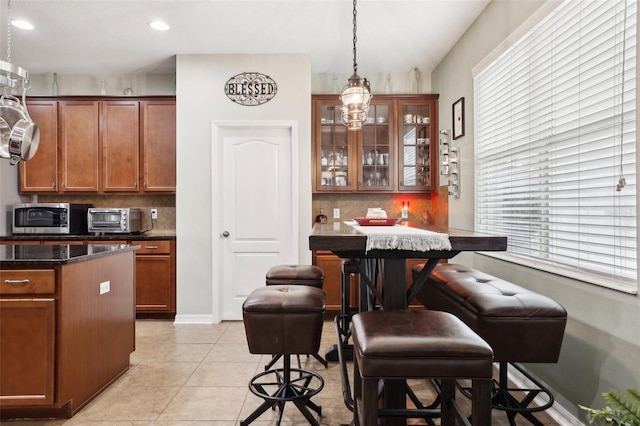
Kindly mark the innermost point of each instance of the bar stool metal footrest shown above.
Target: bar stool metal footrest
(504, 398)
(280, 385)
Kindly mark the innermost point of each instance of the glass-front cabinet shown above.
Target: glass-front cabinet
(415, 147)
(376, 153)
(394, 152)
(333, 151)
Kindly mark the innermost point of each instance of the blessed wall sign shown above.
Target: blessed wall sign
(250, 88)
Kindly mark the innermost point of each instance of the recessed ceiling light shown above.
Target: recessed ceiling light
(19, 23)
(159, 26)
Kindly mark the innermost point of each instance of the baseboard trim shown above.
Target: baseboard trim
(193, 319)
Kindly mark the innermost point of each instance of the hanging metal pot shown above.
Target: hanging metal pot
(5, 133)
(11, 110)
(24, 140)
(24, 137)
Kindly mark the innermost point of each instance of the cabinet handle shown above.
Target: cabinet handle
(53, 184)
(25, 281)
(135, 184)
(151, 247)
(62, 185)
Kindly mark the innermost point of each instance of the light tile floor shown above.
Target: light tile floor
(197, 375)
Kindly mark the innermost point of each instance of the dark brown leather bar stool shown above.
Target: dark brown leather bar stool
(309, 275)
(419, 344)
(295, 275)
(285, 320)
(519, 324)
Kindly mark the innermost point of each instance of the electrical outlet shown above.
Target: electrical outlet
(336, 213)
(105, 287)
(154, 213)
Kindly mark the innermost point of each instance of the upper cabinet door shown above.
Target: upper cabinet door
(395, 152)
(417, 145)
(334, 148)
(159, 146)
(40, 174)
(376, 153)
(120, 146)
(79, 145)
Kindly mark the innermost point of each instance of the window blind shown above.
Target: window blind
(555, 129)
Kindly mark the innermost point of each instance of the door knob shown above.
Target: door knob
(225, 234)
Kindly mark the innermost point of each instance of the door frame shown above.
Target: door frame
(217, 241)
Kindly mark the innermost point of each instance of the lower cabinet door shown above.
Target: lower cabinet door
(331, 266)
(27, 351)
(154, 283)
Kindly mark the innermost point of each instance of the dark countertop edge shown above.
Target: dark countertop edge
(89, 237)
(122, 248)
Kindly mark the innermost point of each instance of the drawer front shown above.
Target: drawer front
(27, 281)
(153, 247)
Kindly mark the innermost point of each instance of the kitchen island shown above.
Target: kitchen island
(155, 265)
(67, 325)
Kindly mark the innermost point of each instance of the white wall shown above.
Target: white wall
(602, 338)
(201, 100)
(8, 194)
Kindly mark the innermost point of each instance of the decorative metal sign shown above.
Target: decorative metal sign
(250, 88)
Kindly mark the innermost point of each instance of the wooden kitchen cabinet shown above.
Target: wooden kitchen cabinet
(79, 146)
(120, 146)
(417, 144)
(102, 145)
(155, 271)
(64, 338)
(386, 156)
(330, 265)
(27, 333)
(376, 154)
(334, 148)
(40, 174)
(159, 146)
(156, 277)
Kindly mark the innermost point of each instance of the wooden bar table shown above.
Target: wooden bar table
(347, 242)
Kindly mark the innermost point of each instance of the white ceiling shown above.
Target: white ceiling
(111, 37)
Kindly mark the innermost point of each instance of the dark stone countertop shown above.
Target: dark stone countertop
(145, 236)
(57, 254)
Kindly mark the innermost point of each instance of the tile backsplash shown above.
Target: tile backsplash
(432, 208)
(166, 205)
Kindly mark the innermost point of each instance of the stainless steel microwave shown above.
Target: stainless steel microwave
(114, 220)
(50, 218)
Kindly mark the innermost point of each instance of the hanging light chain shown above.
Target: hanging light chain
(355, 37)
(9, 31)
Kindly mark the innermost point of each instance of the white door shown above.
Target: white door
(257, 204)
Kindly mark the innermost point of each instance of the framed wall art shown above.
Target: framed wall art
(458, 118)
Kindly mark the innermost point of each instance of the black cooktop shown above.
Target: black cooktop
(57, 253)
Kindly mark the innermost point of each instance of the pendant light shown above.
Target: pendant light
(356, 94)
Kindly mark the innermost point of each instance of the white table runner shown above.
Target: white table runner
(400, 237)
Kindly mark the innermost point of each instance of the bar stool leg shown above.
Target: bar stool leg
(345, 301)
(369, 402)
(357, 394)
(447, 396)
(481, 402)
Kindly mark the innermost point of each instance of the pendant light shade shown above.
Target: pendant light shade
(356, 94)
